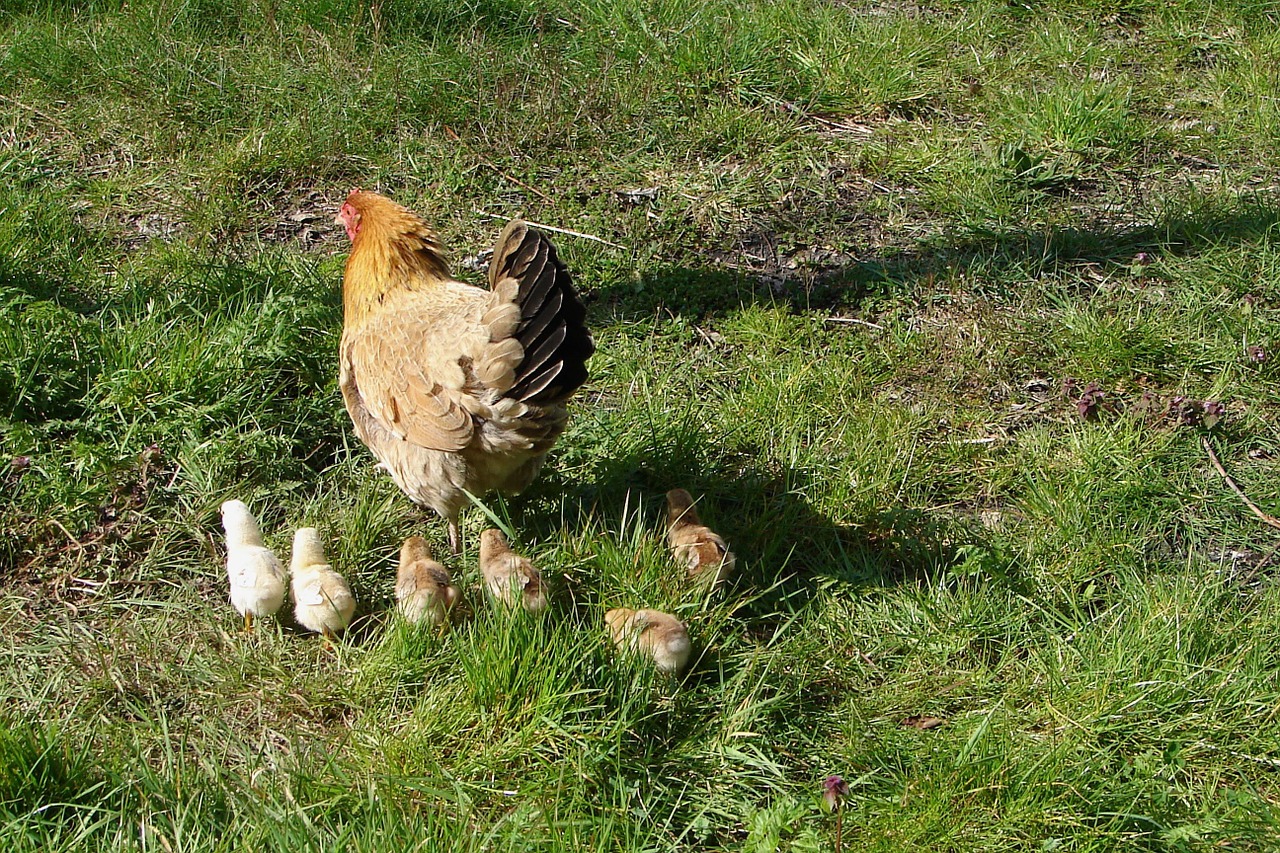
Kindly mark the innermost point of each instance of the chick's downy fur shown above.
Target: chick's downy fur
(695, 546)
(510, 577)
(253, 570)
(322, 599)
(659, 636)
(424, 589)
(454, 388)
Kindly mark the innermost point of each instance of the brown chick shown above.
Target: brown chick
(455, 389)
(509, 576)
(653, 633)
(694, 545)
(423, 586)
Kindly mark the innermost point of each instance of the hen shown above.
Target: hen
(454, 388)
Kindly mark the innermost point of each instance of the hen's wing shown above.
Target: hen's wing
(405, 364)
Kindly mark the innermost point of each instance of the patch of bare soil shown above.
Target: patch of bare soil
(305, 217)
(911, 9)
(811, 237)
(65, 569)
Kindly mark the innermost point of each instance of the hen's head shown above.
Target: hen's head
(349, 215)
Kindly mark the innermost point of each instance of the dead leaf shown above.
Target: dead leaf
(638, 196)
(923, 723)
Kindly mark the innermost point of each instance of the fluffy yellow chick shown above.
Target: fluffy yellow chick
(255, 573)
(423, 586)
(653, 633)
(694, 545)
(322, 599)
(509, 576)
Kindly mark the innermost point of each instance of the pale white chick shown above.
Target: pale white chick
(254, 572)
(695, 546)
(322, 599)
(657, 635)
(423, 587)
(509, 576)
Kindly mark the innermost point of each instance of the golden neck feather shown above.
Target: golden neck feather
(393, 250)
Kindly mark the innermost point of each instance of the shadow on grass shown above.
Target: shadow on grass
(784, 544)
(999, 260)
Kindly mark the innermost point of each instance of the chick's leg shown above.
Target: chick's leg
(248, 621)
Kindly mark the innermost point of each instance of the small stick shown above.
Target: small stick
(1213, 457)
(866, 658)
(74, 541)
(866, 323)
(1261, 564)
(557, 230)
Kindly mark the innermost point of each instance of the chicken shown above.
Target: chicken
(254, 571)
(653, 633)
(694, 545)
(509, 576)
(322, 599)
(455, 389)
(423, 586)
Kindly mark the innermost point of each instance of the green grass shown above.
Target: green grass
(892, 245)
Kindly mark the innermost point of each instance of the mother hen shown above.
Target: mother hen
(454, 388)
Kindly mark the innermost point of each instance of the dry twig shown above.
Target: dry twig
(556, 230)
(1213, 457)
(855, 321)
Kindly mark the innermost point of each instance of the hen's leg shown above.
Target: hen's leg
(455, 538)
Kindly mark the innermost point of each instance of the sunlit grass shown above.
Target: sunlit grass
(878, 251)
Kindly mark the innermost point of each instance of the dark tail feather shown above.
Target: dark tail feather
(552, 326)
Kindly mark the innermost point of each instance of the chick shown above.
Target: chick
(694, 545)
(423, 586)
(657, 635)
(255, 573)
(509, 576)
(322, 600)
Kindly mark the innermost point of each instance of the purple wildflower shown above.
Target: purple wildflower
(834, 790)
